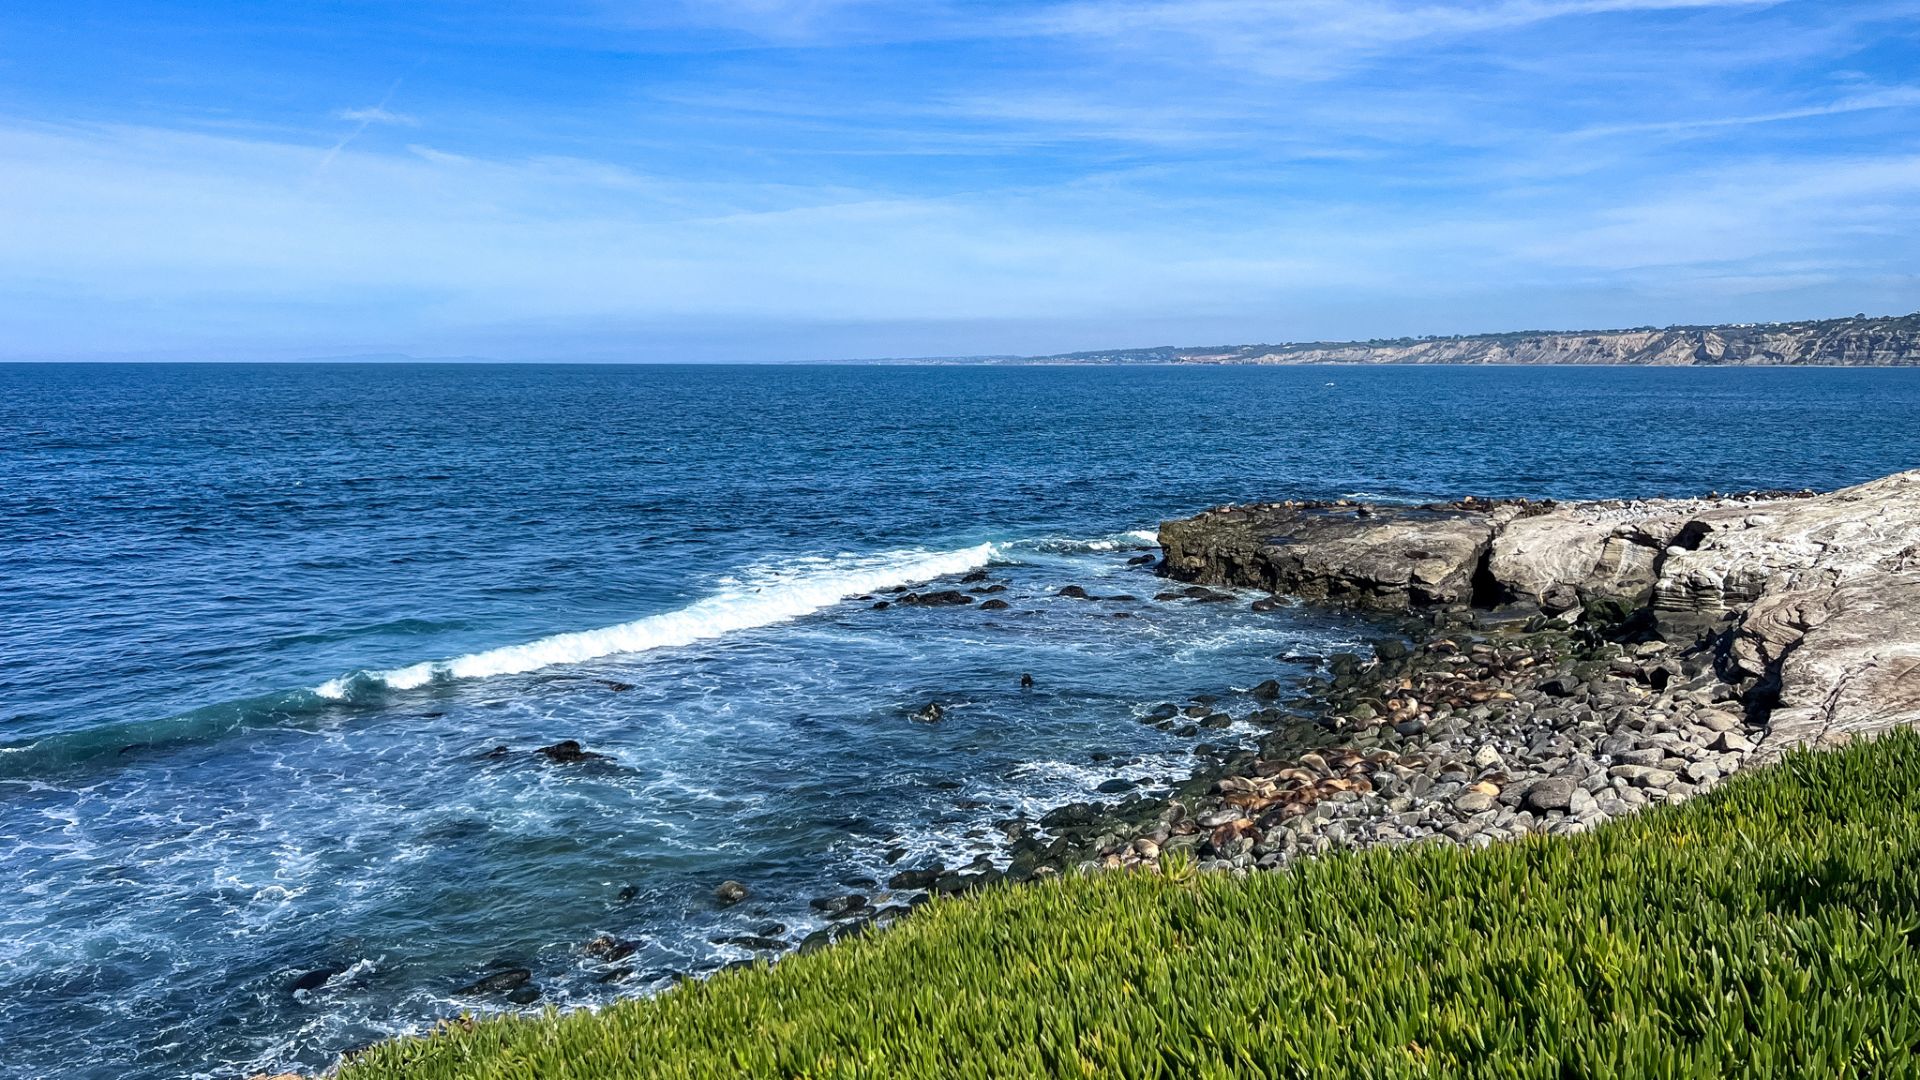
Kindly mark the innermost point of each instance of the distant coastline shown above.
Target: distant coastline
(1858, 341)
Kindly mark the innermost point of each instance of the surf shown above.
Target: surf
(782, 597)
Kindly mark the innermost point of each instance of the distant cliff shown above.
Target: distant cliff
(1856, 342)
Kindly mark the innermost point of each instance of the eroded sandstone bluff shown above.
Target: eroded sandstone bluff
(1857, 341)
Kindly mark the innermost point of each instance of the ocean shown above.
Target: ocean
(262, 629)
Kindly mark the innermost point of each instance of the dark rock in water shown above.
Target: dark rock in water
(1142, 560)
(994, 605)
(1074, 592)
(568, 752)
(755, 942)
(619, 974)
(608, 947)
(1121, 598)
(973, 576)
(991, 589)
(1268, 603)
(1196, 592)
(312, 980)
(1026, 679)
(496, 752)
(525, 995)
(943, 598)
(916, 879)
(931, 714)
(1166, 710)
(616, 686)
(894, 855)
(860, 881)
(838, 907)
(1116, 786)
(770, 929)
(882, 605)
(1266, 691)
(728, 893)
(1165, 596)
(1071, 815)
(497, 983)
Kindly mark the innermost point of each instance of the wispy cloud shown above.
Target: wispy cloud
(1062, 173)
(1899, 97)
(377, 114)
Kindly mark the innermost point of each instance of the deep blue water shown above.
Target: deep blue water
(222, 763)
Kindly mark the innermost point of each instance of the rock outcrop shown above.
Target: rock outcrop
(1816, 598)
(1387, 558)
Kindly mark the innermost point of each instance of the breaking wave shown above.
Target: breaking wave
(778, 597)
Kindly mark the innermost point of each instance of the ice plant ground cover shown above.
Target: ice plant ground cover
(1771, 928)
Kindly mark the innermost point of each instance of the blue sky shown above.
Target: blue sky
(812, 179)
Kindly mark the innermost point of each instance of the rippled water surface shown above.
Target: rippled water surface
(261, 627)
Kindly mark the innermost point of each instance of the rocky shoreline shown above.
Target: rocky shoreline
(1558, 665)
(1543, 668)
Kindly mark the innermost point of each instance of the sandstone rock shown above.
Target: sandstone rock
(1394, 559)
(1732, 742)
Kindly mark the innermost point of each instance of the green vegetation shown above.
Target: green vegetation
(1771, 928)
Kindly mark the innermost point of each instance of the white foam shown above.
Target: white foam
(1132, 539)
(737, 607)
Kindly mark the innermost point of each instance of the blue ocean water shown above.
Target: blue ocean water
(260, 626)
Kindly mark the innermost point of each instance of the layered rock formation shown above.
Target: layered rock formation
(1860, 341)
(1815, 599)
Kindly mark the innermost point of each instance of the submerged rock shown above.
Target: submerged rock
(729, 893)
(569, 752)
(497, 983)
(943, 598)
(309, 981)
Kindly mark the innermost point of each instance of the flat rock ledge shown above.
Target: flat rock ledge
(1812, 601)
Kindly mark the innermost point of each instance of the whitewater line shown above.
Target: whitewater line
(739, 608)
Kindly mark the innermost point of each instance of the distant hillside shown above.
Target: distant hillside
(1860, 341)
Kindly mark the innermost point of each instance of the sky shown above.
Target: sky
(780, 180)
